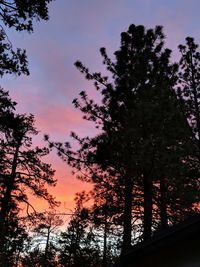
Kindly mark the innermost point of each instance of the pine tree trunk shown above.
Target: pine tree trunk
(163, 204)
(5, 207)
(127, 215)
(46, 248)
(148, 193)
(105, 238)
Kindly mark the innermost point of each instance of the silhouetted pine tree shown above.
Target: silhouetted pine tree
(17, 238)
(45, 230)
(19, 16)
(105, 215)
(22, 170)
(189, 89)
(144, 143)
(78, 245)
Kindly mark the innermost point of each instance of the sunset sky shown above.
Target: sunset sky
(76, 30)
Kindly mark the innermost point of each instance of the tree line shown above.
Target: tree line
(143, 163)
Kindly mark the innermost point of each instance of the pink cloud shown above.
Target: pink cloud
(60, 119)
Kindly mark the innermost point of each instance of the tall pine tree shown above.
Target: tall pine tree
(22, 171)
(144, 143)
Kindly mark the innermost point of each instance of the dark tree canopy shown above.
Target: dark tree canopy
(19, 15)
(79, 246)
(144, 153)
(22, 169)
(189, 88)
